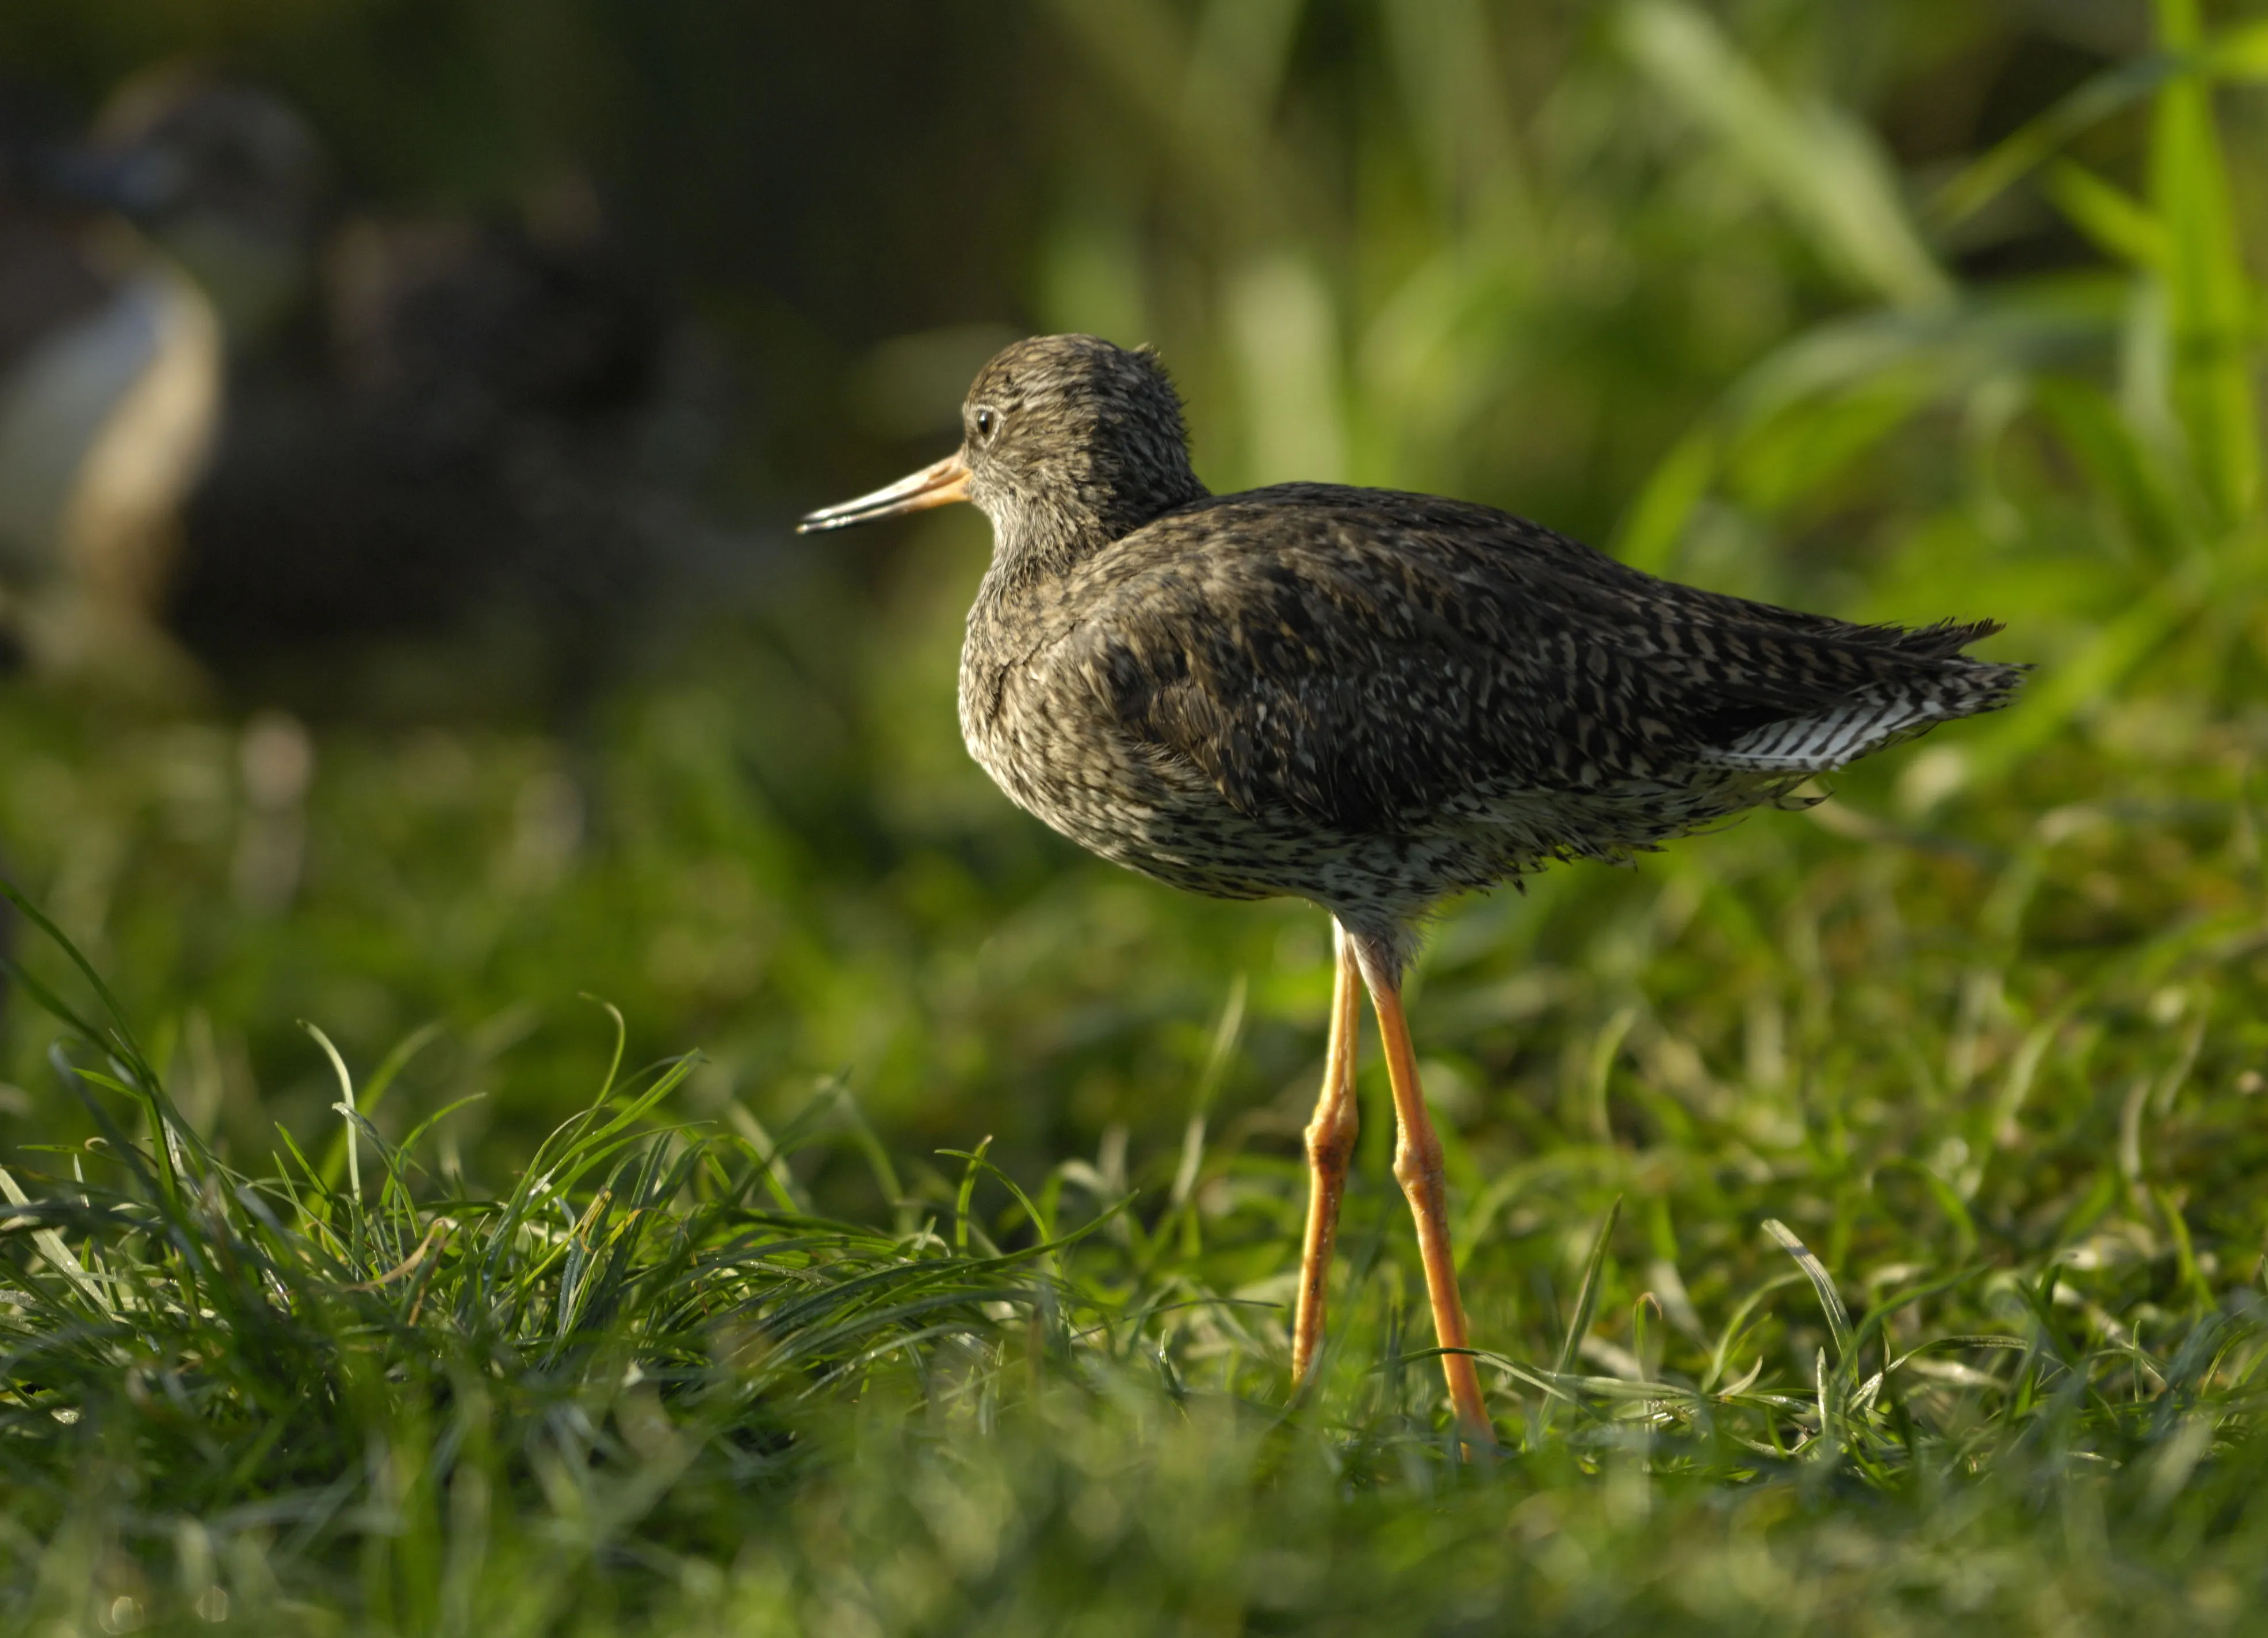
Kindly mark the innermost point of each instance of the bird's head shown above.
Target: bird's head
(1068, 442)
(222, 173)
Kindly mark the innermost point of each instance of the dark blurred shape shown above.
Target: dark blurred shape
(451, 465)
(433, 490)
(466, 459)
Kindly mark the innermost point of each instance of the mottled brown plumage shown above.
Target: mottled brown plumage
(1368, 699)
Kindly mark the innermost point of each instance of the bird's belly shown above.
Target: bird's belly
(1119, 799)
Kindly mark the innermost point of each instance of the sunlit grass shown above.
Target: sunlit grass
(1937, 1283)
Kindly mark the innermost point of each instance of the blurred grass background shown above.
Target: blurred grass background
(1896, 310)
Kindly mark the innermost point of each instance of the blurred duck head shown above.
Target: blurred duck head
(224, 175)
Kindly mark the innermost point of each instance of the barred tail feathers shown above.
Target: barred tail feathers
(1820, 741)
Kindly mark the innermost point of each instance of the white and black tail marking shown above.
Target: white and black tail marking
(1822, 741)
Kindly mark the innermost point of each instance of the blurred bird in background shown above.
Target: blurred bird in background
(110, 392)
(346, 461)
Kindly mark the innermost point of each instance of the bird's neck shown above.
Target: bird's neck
(1040, 538)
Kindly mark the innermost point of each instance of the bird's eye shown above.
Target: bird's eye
(987, 422)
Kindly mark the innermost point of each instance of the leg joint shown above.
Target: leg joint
(1418, 1163)
(1331, 1135)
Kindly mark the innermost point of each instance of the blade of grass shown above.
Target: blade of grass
(59, 1255)
(1578, 1321)
(1838, 1318)
(1827, 171)
(344, 1108)
(2209, 294)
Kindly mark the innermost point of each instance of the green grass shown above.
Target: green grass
(1857, 1208)
(644, 1388)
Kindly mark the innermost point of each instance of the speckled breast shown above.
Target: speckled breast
(1059, 759)
(1059, 756)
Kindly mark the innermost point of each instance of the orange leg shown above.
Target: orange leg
(1417, 1168)
(1331, 1146)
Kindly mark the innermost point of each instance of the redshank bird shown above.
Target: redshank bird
(1367, 699)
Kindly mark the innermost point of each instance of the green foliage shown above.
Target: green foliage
(1857, 1210)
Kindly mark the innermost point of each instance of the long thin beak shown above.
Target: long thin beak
(932, 486)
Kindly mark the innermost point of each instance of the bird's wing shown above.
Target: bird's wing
(1363, 659)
